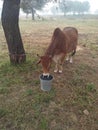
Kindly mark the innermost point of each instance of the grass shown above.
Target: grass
(91, 87)
(3, 112)
(24, 106)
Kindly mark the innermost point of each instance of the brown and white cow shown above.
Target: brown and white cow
(63, 43)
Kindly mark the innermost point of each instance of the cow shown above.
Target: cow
(63, 44)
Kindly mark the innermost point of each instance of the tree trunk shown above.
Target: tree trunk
(10, 19)
(33, 13)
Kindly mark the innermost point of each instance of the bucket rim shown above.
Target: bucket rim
(46, 79)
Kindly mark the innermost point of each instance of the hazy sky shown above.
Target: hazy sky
(93, 4)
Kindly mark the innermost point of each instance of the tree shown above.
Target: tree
(75, 7)
(30, 6)
(65, 6)
(86, 6)
(10, 19)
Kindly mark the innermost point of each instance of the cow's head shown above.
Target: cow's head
(45, 62)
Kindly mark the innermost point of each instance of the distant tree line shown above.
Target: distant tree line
(74, 7)
(64, 6)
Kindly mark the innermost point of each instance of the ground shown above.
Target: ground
(72, 103)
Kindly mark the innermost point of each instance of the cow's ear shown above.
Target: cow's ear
(41, 57)
(38, 62)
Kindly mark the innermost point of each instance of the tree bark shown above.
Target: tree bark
(33, 13)
(10, 23)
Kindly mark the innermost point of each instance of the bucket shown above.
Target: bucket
(46, 82)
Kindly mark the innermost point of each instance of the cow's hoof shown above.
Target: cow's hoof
(60, 71)
(71, 61)
(55, 71)
(67, 59)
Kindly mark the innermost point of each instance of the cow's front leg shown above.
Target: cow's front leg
(61, 61)
(60, 68)
(56, 68)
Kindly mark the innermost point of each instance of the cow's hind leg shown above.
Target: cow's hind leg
(71, 56)
(67, 58)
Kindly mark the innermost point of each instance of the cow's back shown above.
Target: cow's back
(71, 32)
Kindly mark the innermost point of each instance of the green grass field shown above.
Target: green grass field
(72, 103)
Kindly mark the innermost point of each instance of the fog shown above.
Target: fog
(47, 8)
(93, 4)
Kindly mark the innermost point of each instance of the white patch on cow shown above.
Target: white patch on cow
(56, 58)
(46, 74)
